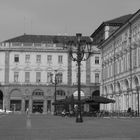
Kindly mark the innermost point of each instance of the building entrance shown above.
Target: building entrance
(37, 106)
(15, 105)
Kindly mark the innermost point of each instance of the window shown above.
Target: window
(60, 59)
(49, 59)
(38, 93)
(16, 58)
(96, 77)
(49, 77)
(96, 60)
(16, 76)
(38, 77)
(38, 58)
(60, 93)
(27, 58)
(27, 77)
(59, 77)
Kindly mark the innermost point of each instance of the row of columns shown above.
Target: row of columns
(123, 102)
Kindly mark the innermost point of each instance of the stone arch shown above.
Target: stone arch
(60, 93)
(126, 84)
(37, 100)
(15, 100)
(111, 89)
(15, 94)
(96, 93)
(118, 87)
(135, 82)
(1, 99)
(38, 92)
(105, 90)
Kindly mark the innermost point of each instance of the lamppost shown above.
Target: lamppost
(79, 50)
(55, 82)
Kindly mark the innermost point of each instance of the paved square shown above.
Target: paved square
(48, 127)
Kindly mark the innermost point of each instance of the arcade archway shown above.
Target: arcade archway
(1, 99)
(15, 100)
(94, 107)
(60, 94)
(96, 93)
(38, 101)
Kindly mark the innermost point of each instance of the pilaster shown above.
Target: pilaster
(88, 71)
(23, 105)
(69, 70)
(45, 106)
(52, 107)
(6, 67)
(30, 104)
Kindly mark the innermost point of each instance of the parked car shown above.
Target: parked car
(8, 111)
(1, 111)
(5, 111)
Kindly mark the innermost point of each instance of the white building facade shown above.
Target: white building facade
(121, 66)
(27, 71)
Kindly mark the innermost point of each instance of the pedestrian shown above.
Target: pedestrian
(27, 111)
(129, 111)
(63, 113)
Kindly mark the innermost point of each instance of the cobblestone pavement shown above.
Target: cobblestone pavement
(48, 127)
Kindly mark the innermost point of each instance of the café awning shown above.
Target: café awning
(68, 100)
(99, 99)
(91, 100)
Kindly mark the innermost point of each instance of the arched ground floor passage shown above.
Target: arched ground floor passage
(123, 102)
(34, 106)
(124, 91)
(38, 99)
(95, 106)
(68, 104)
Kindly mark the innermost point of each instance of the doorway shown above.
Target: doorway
(37, 106)
(95, 107)
(15, 105)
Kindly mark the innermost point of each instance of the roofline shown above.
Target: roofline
(110, 23)
(128, 22)
(63, 36)
(104, 24)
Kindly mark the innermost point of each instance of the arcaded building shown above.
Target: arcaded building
(120, 54)
(28, 66)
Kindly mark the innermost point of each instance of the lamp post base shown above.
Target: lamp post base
(79, 119)
(55, 113)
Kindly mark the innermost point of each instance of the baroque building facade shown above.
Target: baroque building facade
(28, 66)
(120, 54)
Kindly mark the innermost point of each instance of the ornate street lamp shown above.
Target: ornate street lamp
(55, 82)
(79, 50)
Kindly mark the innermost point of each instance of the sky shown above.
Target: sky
(59, 17)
